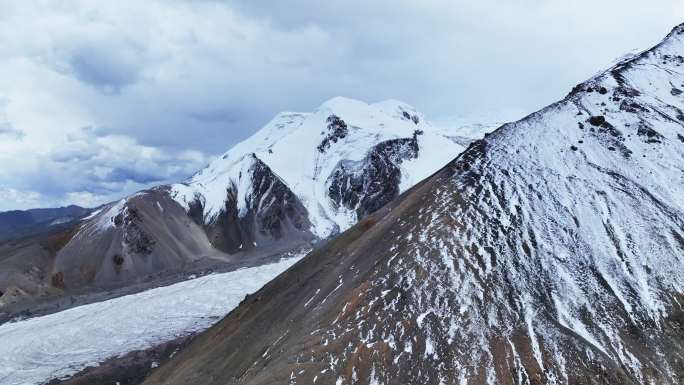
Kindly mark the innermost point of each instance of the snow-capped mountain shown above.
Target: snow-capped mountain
(301, 178)
(550, 252)
(342, 161)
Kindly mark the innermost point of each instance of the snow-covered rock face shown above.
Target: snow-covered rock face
(551, 252)
(341, 162)
(366, 185)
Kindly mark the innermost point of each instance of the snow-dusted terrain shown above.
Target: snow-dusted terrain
(36, 350)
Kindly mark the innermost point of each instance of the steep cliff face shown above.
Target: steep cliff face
(550, 252)
(365, 186)
(258, 209)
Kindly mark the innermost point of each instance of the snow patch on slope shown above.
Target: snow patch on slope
(106, 219)
(211, 188)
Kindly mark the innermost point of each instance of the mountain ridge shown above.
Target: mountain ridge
(550, 252)
(17, 223)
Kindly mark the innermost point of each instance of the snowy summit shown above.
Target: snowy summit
(307, 152)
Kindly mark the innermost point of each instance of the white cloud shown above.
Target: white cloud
(20, 199)
(87, 169)
(166, 84)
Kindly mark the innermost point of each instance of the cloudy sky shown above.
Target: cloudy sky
(101, 98)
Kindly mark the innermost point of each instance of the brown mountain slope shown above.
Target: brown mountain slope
(551, 252)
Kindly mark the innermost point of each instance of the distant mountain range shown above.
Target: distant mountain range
(17, 223)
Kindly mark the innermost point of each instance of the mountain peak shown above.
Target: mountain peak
(342, 102)
(671, 45)
(352, 108)
(676, 31)
(338, 137)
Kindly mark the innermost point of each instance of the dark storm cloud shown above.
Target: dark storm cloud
(120, 174)
(105, 67)
(221, 114)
